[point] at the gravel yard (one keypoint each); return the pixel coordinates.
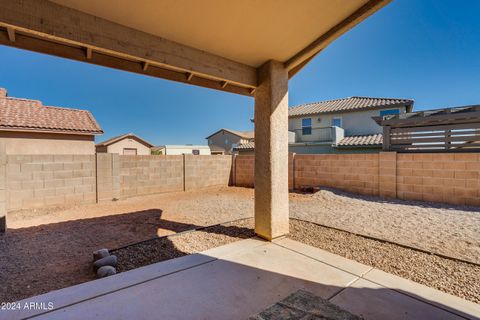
(450, 230)
(457, 278)
(49, 249)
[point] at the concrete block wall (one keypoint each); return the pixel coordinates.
(143, 175)
(34, 181)
(387, 174)
(357, 173)
(244, 171)
(206, 171)
(452, 178)
(108, 176)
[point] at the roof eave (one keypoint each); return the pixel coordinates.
(396, 105)
(35, 130)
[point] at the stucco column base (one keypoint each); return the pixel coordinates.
(271, 151)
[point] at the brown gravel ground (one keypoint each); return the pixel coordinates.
(175, 246)
(49, 249)
(457, 278)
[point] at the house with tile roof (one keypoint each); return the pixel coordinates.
(338, 126)
(29, 127)
(125, 144)
(224, 141)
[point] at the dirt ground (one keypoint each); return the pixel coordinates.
(48, 249)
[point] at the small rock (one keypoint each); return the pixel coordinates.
(99, 254)
(106, 271)
(107, 261)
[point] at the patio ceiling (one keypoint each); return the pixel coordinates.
(212, 43)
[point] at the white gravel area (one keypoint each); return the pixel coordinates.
(450, 230)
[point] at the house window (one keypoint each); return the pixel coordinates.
(337, 122)
(306, 126)
(195, 152)
(226, 141)
(387, 112)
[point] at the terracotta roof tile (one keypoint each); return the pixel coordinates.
(367, 140)
(123, 136)
(347, 104)
(31, 115)
(246, 146)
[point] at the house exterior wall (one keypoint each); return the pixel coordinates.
(225, 141)
(127, 143)
(354, 123)
(30, 143)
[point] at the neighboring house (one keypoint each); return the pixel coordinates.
(127, 144)
(339, 126)
(29, 127)
(181, 149)
(224, 141)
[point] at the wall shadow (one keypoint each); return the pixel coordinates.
(39, 259)
(239, 288)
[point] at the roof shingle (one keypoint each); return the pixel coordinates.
(367, 140)
(31, 115)
(246, 146)
(347, 104)
(121, 137)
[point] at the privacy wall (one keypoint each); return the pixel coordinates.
(452, 178)
(33, 181)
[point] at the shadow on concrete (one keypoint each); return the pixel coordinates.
(203, 287)
(43, 258)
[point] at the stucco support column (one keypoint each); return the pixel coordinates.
(271, 151)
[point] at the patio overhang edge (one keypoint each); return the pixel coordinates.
(46, 27)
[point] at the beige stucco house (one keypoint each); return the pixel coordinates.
(338, 126)
(224, 141)
(29, 127)
(126, 144)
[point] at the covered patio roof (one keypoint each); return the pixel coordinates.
(215, 44)
(246, 47)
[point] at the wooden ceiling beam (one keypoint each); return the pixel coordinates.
(59, 24)
(11, 34)
(78, 53)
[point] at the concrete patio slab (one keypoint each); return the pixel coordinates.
(234, 281)
(372, 301)
(438, 298)
(326, 257)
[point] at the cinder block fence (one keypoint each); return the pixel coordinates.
(33, 181)
(452, 178)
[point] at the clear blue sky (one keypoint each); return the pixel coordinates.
(428, 50)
